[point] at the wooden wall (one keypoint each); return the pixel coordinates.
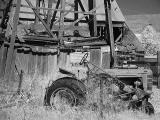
(41, 62)
(38, 62)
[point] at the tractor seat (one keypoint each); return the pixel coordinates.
(63, 71)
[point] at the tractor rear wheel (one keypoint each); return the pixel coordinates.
(65, 91)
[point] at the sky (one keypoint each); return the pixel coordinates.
(135, 7)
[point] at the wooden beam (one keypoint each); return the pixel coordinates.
(86, 13)
(9, 61)
(76, 15)
(76, 9)
(95, 43)
(43, 22)
(109, 31)
(43, 39)
(92, 18)
(82, 8)
(38, 11)
(54, 14)
(99, 23)
(3, 58)
(61, 23)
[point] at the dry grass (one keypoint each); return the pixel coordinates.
(40, 113)
(29, 106)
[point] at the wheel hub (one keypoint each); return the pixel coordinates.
(62, 97)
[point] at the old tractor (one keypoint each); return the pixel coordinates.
(129, 84)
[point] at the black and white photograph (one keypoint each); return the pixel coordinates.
(79, 59)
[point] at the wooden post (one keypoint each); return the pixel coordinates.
(92, 18)
(158, 63)
(109, 31)
(60, 33)
(76, 15)
(95, 55)
(9, 61)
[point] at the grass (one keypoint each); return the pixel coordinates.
(40, 113)
(29, 106)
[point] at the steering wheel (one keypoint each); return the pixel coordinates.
(83, 58)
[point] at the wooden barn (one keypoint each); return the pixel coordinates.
(38, 37)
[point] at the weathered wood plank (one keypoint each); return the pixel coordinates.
(31, 64)
(109, 31)
(39, 61)
(38, 11)
(76, 9)
(62, 60)
(52, 65)
(3, 58)
(92, 18)
(44, 64)
(11, 48)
